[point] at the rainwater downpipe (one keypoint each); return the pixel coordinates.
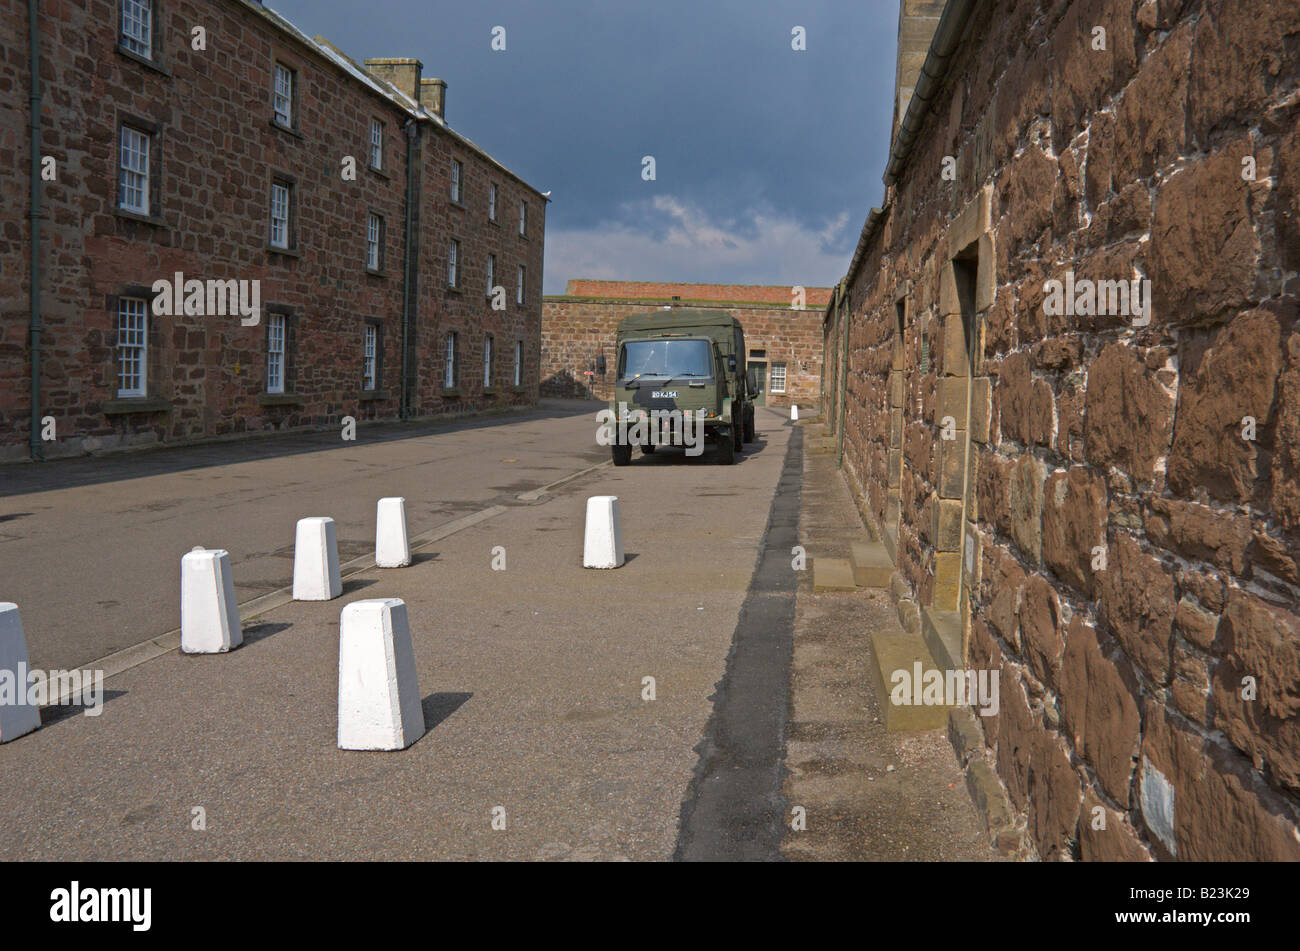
(403, 400)
(34, 218)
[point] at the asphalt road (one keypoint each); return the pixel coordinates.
(531, 678)
(90, 549)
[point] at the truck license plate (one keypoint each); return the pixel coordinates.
(663, 395)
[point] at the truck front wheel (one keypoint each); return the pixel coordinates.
(622, 454)
(749, 425)
(726, 449)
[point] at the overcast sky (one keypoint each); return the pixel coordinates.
(767, 160)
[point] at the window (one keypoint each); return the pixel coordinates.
(281, 202)
(133, 171)
(456, 170)
(519, 363)
(523, 217)
(374, 242)
(370, 352)
(376, 144)
(449, 363)
(453, 256)
(487, 361)
(491, 273)
(519, 285)
(275, 354)
(778, 377)
(132, 325)
(492, 203)
(137, 27)
(283, 100)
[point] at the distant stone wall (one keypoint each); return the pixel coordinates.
(576, 330)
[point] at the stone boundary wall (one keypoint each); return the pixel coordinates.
(1114, 525)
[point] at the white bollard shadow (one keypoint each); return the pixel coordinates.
(603, 542)
(379, 691)
(392, 546)
(209, 612)
(316, 561)
(17, 716)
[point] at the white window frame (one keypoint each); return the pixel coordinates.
(282, 95)
(376, 144)
(275, 347)
(453, 263)
(521, 276)
(449, 363)
(374, 237)
(519, 363)
(492, 202)
(135, 33)
(133, 153)
(132, 346)
(369, 352)
(487, 361)
(283, 191)
(523, 217)
(457, 180)
(491, 273)
(773, 375)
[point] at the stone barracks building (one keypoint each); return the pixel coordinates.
(249, 160)
(784, 343)
(1097, 497)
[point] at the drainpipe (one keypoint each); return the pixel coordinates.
(34, 218)
(403, 400)
(844, 372)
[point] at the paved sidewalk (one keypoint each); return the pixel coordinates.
(531, 680)
(869, 794)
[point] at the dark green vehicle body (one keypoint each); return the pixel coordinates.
(685, 360)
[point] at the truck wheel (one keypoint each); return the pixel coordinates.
(622, 454)
(648, 448)
(727, 450)
(749, 426)
(738, 429)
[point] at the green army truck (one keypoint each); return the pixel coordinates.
(680, 379)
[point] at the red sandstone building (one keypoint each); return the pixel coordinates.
(784, 340)
(250, 156)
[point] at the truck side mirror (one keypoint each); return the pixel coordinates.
(731, 363)
(752, 381)
(600, 364)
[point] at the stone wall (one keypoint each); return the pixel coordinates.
(575, 329)
(1103, 507)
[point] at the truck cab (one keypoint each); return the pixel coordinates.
(680, 380)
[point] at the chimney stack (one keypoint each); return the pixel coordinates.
(403, 73)
(434, 96)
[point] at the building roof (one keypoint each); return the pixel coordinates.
(332, 54)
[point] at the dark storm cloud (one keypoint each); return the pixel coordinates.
(767, 159)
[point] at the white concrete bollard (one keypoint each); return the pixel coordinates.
(603, 545)
(379, 691)
(209, 613)
(316, 561)
(392, 548)
(17, 716)
(794, 412)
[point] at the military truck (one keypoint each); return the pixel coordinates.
(681, 368)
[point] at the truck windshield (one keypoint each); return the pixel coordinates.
(666, 358)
